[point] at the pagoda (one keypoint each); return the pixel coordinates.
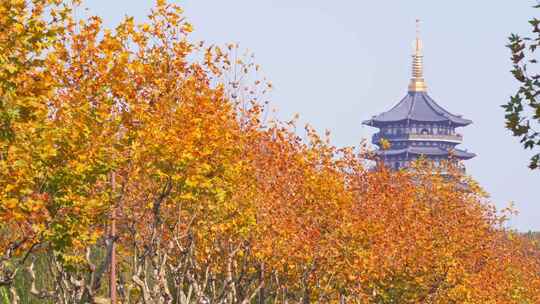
(417, 126)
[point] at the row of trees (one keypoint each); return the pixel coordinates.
(212, 203)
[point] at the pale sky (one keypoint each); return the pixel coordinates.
(337, 63)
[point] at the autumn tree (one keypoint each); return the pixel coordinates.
(41, 199)
(216, 204)
(128, 103)
(56, 151)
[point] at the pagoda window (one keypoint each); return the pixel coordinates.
(424, 131)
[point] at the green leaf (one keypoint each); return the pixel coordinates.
(4, 298)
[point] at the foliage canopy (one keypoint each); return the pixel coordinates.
(214, 204)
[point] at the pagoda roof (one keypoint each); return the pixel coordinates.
(427, 151)
(417, 106)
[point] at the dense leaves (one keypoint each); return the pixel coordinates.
(41, 199)
(523, 109)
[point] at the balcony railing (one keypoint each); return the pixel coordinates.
(451, 137)
(456, 138)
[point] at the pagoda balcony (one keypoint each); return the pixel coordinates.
(453, 138)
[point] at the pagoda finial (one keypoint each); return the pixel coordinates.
(417, 80)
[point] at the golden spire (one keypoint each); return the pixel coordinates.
(417, 80)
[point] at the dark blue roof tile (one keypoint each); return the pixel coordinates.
(417, 106)
(427, 151)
